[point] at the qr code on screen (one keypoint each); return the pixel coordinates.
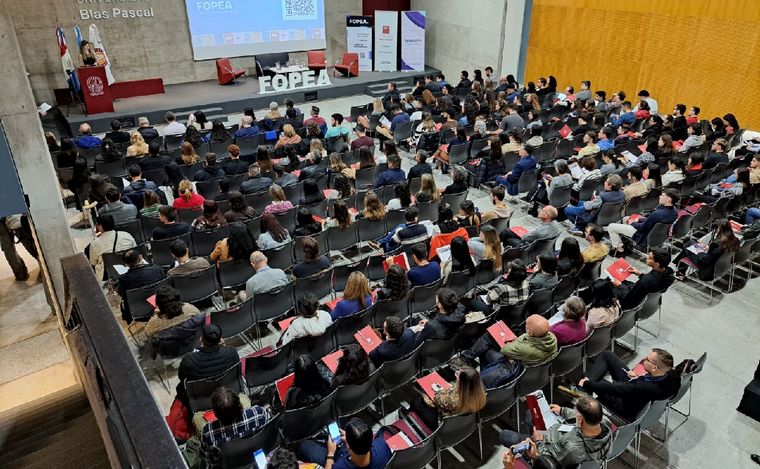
(299, 9)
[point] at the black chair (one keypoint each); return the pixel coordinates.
(422, 297)
(204, 241)
(454, 430)
(369, 230)
(318, 284)
(112, 168)
(314, 346)
(589, 273)
(197, 287)
(345, 327)
(265, 369)
(436, 352)
(417, 456)
(396, 373)
(233, 274)
(208, 189)
(339, 239)
(189, 170)
(625, 323)
(188, 215)
(236, 454)
(498, 401)
(454, 200)
(303, 423)
(540, 302)
(560, 196)
(236, 320)
(147, 225)
(273, 304)
(609, 213)
(597, 342)
(527, 181)
(565, 288)
(161, 252)
(462, 282)
(428, 210)
(288, 219)
(459, 153)
(587, 188)
(385, 308)
(139, 307)
(134, 229)
(280, 257)
(352, 399)
(535, 377)
(366, 177)
(199, 391)
(569, 357)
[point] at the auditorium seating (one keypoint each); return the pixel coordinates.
(225, 74)
(348, 65)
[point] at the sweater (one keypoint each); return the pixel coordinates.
(569, 332)
(531, 350)
(303, 327)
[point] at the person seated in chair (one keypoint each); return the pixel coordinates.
(248, 129)
(86, 140)
(666, 212)
(545, 276)
(174, 319)
(548, 229)
(628, 393)
(256, 183)
(596, 250)
(311, 320)
(314, 117)
(140, 274)
(170, 228)
(108, 240)
(186, 266)
(393, 174)
(500, 209)
(399, 117)
(449, 318)
(210, 171)
(658, 279)
(122, 213)
(234, 165)
(424, 271)
(361, 449)
(399, 342)
(586, 211)
(137, 183)
(422, 166)
(720, 241)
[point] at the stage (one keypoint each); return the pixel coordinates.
(218, 100)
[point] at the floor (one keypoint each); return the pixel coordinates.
(728, 330)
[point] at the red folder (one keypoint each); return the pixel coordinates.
(399, 259)
(519, 230)
(209, 416)
(283, 384)
(327, 193)
(368, 339)
(317, 219)
(151, 300)
(694, 207)
(639, 369)
(332, 303)
(565, 131)
(643, 147)
(296, 172)
(634, 218)
(426, 383)
(285, 323)
(736, 226)
(331, 361)
(398, 442)
(538, 407)
(501, 333)
(353, 211)
(619, 270)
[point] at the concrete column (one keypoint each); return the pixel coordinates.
(18, 115)
(515, 38)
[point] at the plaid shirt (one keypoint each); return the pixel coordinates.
(215, 434)
(506, 294)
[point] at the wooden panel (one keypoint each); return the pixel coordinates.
(696, 52)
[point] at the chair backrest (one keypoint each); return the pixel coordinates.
(417, 456)
(139, 307)
(366, 177)
(385, 308)
(342, 272)
(540, 301)
(393, 218)
(273, 304)
(565, 288)
(587, 188)
(235, 320)
(318, 284)
(345, 327)
(339, 239)
(723, 264)
(316, 57)
(204, 241)
(659, 234)
(287, 219)
(134, 229)
(455, 429)
(499, 399)
(369, 230)
(560, 196)
(233, 274)
(199, 391)
(280, 257)
(197, 287)
(626, 321)
(485, 272)
(161, 252)
(682, 226)
(527, 181)
(598, 341)
(428, 210)
(147, 225)
(422, 297)
(403, 131)
(315, 346)
(237, 453)
(534, 378)
(744, 251)
(653, 414)
(352, 399)
(609, 213)
(208, 189)
(265, 369)
(624, 435)
(459, 153)
(454, 200)
(651, 305)
(568, 358)
(589, 273)
(299, 424)
(436, 352)
(462, 282)
(396, 373)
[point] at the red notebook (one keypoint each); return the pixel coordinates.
(283, 384)
(356, 166)
(327, 193)
(368, 339)
(399, 259)
(332, 303)
(519, 230)
(543, 418)
(331, 361)
(398, 442)
(426, 383)
(634, 218)
(296, 172)
(317, 219)
(639, 369)
(209, 416)
(619, 270)
(152, 300)
(501, 333)
(643, 147)
(736, 226)
(565, 131)
(285, 323)
(694, 207)
(353, 211)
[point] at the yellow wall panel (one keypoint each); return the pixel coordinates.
(696, 52)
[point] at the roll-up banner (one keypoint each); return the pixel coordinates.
(359, 40)
(386, 41)
(412, 40)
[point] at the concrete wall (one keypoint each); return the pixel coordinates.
(469, 35)
(137, 47)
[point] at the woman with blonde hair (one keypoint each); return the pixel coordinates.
(280, 203)
(428, 190)
(377, 107)
(187, 196)
(357, 296)
(374, 209)
(466, 395)
(138, 147)
(487, 246)
(188, 155)
(426, 126)
(315, 144)
(289, 137)
(337, 165)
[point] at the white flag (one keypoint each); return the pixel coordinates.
(100, 52)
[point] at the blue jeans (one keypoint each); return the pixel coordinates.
(573, 211)
(511, 186)
(314, 452)
(753, 214)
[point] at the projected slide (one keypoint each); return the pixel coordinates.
(235, 28)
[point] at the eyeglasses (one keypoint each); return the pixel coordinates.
(650, 361)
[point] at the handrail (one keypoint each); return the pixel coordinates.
(133, 429)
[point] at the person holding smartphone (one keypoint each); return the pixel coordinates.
(353, 447)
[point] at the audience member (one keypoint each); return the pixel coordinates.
(185, 265)
(396, 285)
(545, 276)
(139, 274)
(658, 279)
(356, 297)
(466, 395)
(596, 250)
(187, 197)
(361, 449)
(266, 278)
(399, 342)
(174, 320)
(448, 319)
(424, 271)
(211, 218)
(256, 183)
(666, 212)
(311, 320)
(309, 386)
(313, 263)
(107, 240)
(569, 259)
(86, 140)
(571, 329)
(708, 250)
(170, 228)
(122, 213)
(248, 128)
(393, 174)
(116, 135)
(354, 367)
(548, 229)
(147, 131)
(586, 211)
(239, 245)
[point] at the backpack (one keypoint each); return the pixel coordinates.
(499, 373)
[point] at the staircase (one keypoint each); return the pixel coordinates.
(57, 431)
(212, 114)
(403, 85)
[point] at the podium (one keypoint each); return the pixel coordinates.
(95, 89)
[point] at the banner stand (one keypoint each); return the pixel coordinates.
(412, 41)
(359, 40)
(386, 41)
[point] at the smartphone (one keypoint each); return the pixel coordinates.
(520, 448)
(260, 459)
(334, 431)
(436, 387)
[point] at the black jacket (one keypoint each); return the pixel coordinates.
(235, 167)
(175, 338)
(148, 133)
(208, 173)
(207, 362)
(155, 162)
(170, 231)
(627, 398)
(118, 136)
(631, 294)
(419, 169)
(714, 159)
(442, 326)
(314, 171)
(393, 349)
(489, 169)
(136, 277)
(255, 185)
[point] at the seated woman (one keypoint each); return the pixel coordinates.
(569, 259)
(273, 235)
(342, 188)
(487, 246)
(465, 396)
(549, 184)
(312, 195)
(396, 284)
(280, 203)
(374, 210)
(238, 245)
(187, 196)
(442, 154)
(174, 320)
(512, 290)
(428, 191)
(366, 158)
(288, 137)
(311, 320)
(459, 260)
(138, 146)
(674, 174)
(468, 217)
(446, 222)
(341, 218)
(611, 164)
(151, 204)
(357, 297)
(354, 367)
(491, 166)
(572, 328)
(305, 223)
(589, 172)
(545, 276)
(211, 219)
(309, 387)
(265, 163)
(706, 252)
(730, 187)
(312, 263)
(239, 209)
(188, 155)
(604, 308)
(402, 199)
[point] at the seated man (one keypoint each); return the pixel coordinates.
(393, 174)
(248, 129)
(500, 209)
(361, 139)
(140, 274)
(628, 393)
(589, 439)
(548, 229)
(399, 117)
(256, 183)
(422, 166)
(284, 178)
(666, 212)
(148, 132)
(312, 167)
(424, 271)
(234, 165)
(586, 211)
(86, 140)
(361, 449)
(210, 171)
(116, 135)
(173, 127)
(137, 183)
(413, 231)
(235, 419)
(265, 279)
(534, 347)
(186, 266)
(314, 117)
(596, 250)
(659, 279)
(449, 318)
(399, 341)
(336, 127)
(636, 186)
(170, 228)
(108, 240)
(525, 164)
(212, 359)
(122, 213)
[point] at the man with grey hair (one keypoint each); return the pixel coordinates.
(86, 140)
(173, 127)
(274, 112)
(247, 128)
(255, 183)
(146, 130)
(265, 279)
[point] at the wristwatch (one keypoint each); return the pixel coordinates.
(330, 457)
